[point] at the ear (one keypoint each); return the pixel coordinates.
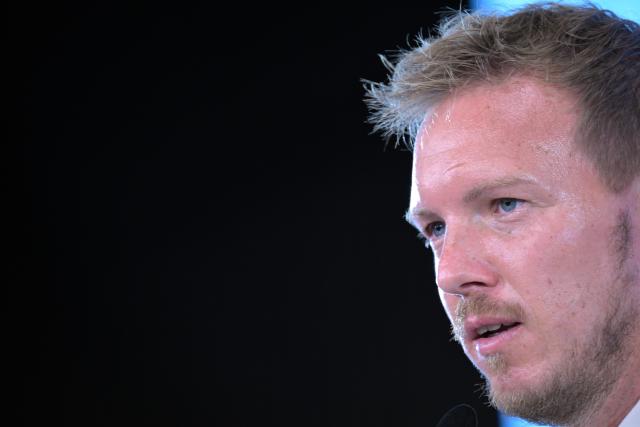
(632, 200)
(632, 195)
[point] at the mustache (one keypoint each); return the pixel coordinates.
(481, 305)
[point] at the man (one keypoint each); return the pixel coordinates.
(525, 132)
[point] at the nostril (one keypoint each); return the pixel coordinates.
(472, 284)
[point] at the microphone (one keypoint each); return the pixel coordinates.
(462, 415)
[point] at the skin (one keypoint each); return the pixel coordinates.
(547, 258)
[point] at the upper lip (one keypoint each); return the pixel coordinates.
(473, 323)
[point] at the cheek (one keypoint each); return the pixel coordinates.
(562, 269)
(449, 303)
(436, 265)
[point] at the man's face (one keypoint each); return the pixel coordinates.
(531, 250)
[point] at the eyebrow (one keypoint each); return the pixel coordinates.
(476, 192)
(472, 195)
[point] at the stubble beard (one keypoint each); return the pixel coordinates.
(587, 374)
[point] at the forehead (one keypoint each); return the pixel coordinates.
(521, 126)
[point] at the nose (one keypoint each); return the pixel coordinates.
(463, 263)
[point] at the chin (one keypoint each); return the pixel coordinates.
(497, 371)
(544, 397)
(513, 395)
(513, 390)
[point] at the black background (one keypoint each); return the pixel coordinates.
(215, 237)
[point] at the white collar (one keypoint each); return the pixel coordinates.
(633, 418)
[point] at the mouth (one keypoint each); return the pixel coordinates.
(492, 330)
(490, 334)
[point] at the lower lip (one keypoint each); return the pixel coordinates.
(488, 346)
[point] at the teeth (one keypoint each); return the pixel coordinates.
(489, 328)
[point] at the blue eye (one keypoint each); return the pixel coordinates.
(507, 205)
(435, 229)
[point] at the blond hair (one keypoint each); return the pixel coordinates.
(587, 50)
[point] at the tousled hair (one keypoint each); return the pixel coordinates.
(589, 51)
